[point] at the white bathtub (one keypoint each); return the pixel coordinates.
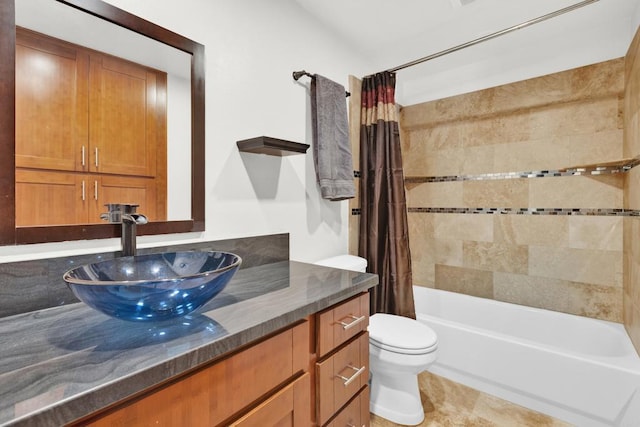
(580, 370)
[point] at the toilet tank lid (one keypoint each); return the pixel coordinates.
(345, 262)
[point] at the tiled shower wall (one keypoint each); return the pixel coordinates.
(568, 263)
(632, 193)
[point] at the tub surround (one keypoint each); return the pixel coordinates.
(64, 363)
(474, 147)
(631, 295)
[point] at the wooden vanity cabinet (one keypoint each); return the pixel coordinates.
(342, 366)
(283, 380)
(263, 385)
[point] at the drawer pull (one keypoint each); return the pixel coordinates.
(349, 380)
(355, 320)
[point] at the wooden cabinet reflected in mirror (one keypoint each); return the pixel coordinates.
(90, 130)
(49, 160)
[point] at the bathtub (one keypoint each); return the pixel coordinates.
(580, 370)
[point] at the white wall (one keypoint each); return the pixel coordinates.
(251, 48)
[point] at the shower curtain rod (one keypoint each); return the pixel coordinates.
(492, 35)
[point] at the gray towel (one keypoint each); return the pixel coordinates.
(331, 146)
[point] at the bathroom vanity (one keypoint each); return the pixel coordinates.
(284, 344)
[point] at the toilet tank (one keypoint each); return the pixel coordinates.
(345, 262)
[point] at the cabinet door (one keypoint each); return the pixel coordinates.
(226, 389)
(126, 116)
(341, 376)
(51, 102)
(290, 407)
(121, 189)
(355, 414)
(50, 198)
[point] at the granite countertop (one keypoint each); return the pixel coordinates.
(60, 364)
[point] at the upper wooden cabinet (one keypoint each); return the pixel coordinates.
(90, 129)
(81, 110)
(52, 112)
(126, 116)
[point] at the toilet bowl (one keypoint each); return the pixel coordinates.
(399, 349)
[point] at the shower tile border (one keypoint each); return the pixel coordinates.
(604, 169)
(529, 211)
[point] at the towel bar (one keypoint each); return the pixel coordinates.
(298, 74)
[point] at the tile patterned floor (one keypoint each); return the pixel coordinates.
(449, 404)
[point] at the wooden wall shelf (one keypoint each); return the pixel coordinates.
(272, 146)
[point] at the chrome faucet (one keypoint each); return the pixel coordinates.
(125, 214)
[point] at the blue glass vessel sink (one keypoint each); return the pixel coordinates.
(153, 287)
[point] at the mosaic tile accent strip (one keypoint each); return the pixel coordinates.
(530, 211)
(604, 169)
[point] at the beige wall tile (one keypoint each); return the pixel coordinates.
(586, 117)
(542, 230)
(501, 257)
(631, 314)
(532, 291)
(504, 193)
(601, 302)
(559, 152)
(449, 252)
(464, 280)
(434, 194)
(632, 189)
(578, 265)
(436, 163)
(444, 136)
(498, 129)
(463, 227)
(572, 85)
(421, 246)
(595, 232)
(478, 160)
(604, 191)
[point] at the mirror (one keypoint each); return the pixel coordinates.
(177, 50)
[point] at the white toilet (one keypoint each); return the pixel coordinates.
(399, 349)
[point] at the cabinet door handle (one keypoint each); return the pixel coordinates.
(349, 380)
(95, 190)
(96, 156)
(354, 321)
(83, 191)
(83, 156)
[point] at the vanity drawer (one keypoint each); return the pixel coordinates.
(288, 407)
(341, 376)
(342, 322)
(355, 414)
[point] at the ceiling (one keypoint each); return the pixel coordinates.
(387, 34)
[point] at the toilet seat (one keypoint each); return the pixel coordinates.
(400, 334)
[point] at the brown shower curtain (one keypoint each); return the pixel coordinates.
(384, 234)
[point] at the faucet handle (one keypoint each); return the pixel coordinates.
(118, 211)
